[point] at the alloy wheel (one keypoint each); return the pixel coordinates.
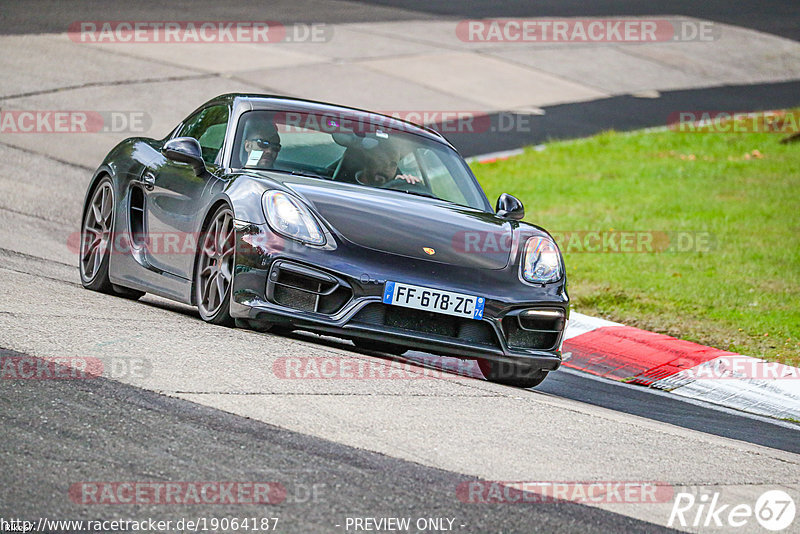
(96, 233)
(215, 266)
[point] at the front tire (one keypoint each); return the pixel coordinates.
(214, 266)
(509, 374)
(96, 241)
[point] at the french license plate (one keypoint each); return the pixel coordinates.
(435, 300)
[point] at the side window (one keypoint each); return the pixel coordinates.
(208, 126)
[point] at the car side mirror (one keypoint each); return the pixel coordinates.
(509, 207)
(185, 150)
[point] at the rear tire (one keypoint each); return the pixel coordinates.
(509, 374)
(380, 346)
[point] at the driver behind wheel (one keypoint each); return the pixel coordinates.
(380, 168)
(261, 144)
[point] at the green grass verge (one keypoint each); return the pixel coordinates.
(740, 189)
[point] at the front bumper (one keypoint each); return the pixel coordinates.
(338, 290)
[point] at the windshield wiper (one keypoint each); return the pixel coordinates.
(299, 173)
(417, 193)
(310, 175)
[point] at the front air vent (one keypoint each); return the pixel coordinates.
(136, 216)
(538, 329)
(303, 288)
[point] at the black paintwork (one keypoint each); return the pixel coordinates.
(372, 236)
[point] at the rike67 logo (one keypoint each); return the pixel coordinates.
(774, 510)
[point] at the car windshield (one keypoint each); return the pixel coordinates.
(346, 149)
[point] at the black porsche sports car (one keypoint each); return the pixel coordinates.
(277, 213)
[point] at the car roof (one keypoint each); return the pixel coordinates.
(263, 101)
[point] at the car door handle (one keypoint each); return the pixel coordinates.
(149, 180)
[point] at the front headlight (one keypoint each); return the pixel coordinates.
(288, 216)
(541, 262)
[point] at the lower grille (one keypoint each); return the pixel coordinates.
(425, 322)
(421, 321)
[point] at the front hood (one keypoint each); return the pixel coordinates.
(403, 224)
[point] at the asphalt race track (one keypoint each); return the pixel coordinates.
(778, 17)
(181, 400)
(90, 429)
